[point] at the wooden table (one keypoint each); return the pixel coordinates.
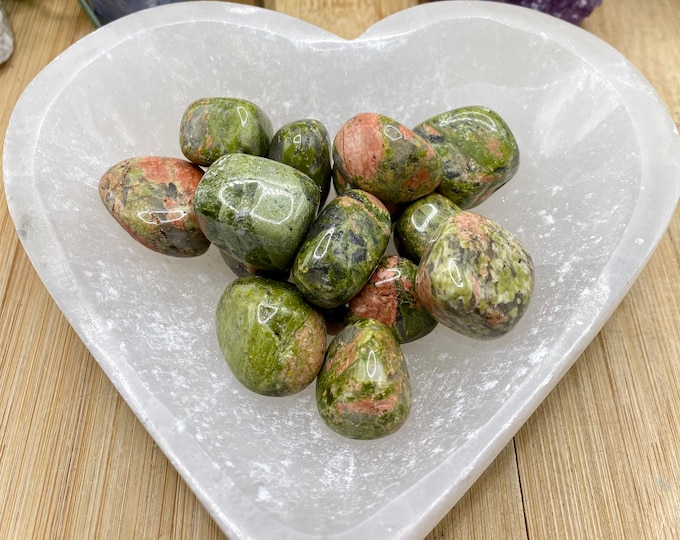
(600, 458)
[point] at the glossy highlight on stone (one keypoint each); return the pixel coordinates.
(417, 224)
(305, 145)
(389, 297)
(363, 390)
(273, 341)
(151, 197)
(342, 248)
(478, 150)
(476, 277)
(382, 156)
(256, 209)
(215, 126)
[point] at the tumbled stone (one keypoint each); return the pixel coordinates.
(379, 155)
(152, 198)
(363, 390)
(342, 248)
(273, 341)
(256, 209)
(476, 277)
(389, 297)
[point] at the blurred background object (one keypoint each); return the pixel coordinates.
(573, 11)
(6, 36)
(104, 11)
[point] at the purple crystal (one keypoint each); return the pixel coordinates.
(573, 11)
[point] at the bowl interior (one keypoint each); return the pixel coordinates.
(584, 203)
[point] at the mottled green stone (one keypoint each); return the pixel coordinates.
(256, 209)
(418, 223)
(342, 248)
(390, 297)
(305, 145)
(476, 277)
(272, 339)
(363, 390)
(151, 197)
(215, 126)
(379, 155)
(478, 150)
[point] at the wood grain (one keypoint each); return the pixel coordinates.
(599, 459)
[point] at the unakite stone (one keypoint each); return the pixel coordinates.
(377, 154)
(363, 390)
(417, 224)
(390, 297)
(342, 248)
(272, 339)
(478, 150)
(152, 198)
(305, 145)
(256, 209)
(213, 127)
(476, 277)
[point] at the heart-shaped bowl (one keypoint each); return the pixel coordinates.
(597, 185)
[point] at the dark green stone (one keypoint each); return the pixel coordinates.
(418, 223)
(256, 209)
(272, 339)
(305, 145)
(215, 126)
(341, 249)
(363, 390)
(478, 150)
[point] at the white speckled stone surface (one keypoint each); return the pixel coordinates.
(598, 183)
(6, 36)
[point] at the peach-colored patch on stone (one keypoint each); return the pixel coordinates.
(369, 406)
(471, 225)
(494, 148)
(360, 145)
(379, 298)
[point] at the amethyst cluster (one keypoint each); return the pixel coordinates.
(573, 11)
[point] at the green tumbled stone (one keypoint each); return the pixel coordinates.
(305, 145)
(256, 209)
(272, 339)
(215, 126)
(476, 277)
(418, 223)
(478, 150)
(342, 248)
(363, 390)
(390, 297)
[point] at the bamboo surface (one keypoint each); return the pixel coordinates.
(599, 459)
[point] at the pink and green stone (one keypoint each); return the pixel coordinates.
(213, 127)
(476, 277)
(389, 297)
(342, 248)
(379, 155)
(478, 151)
(151, 197)
(363, 390)
(273, 341)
